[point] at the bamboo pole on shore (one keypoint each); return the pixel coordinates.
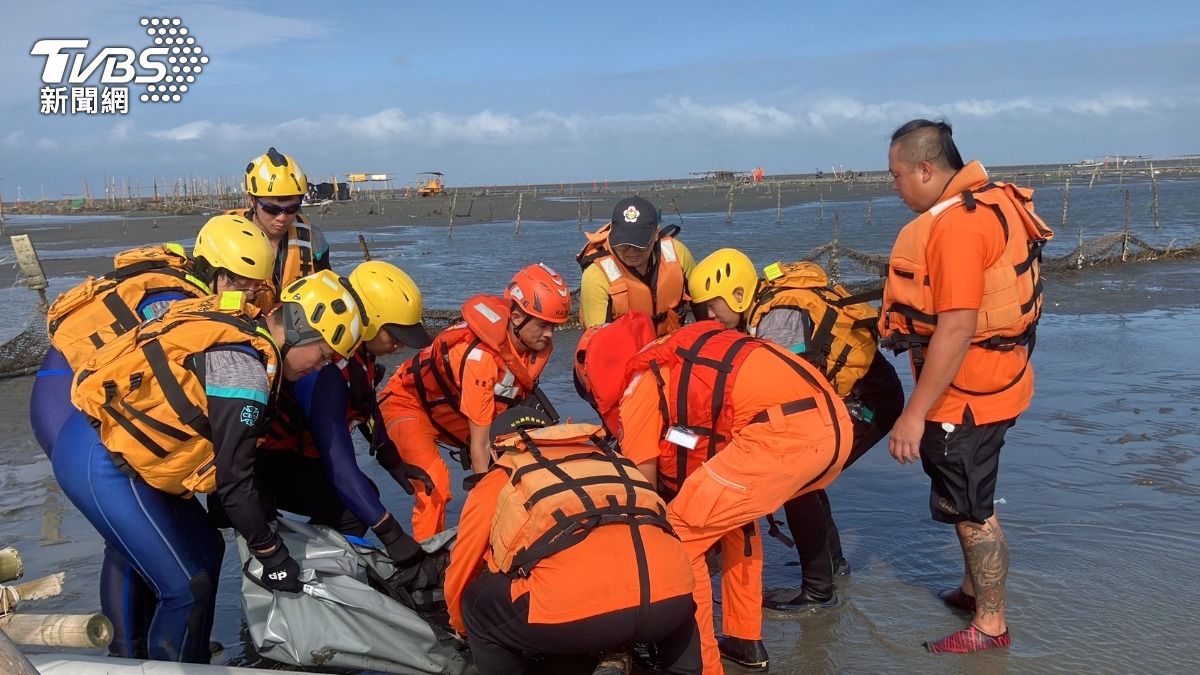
(85, 631)
(11, 566)
(1154, 195)
(1125, 238)
(1066, 199)
(835, 271)
(1093, 180)
(520, 201)
(362, 243)
(778, 204)
(453, 203)
(729, 214)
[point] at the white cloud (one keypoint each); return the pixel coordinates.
(45, 144)
(12, 139)
(1107, 105)
(683, 115)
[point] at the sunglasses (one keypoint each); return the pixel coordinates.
(276, 209)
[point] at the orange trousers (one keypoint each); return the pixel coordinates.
(764, 466)
(409, 427)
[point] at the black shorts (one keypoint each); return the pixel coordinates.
(962, 467)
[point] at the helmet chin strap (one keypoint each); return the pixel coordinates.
(517, 328)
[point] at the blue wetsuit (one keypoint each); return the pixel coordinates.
(170, 540)
(49, 409)
(48, 405)
(324, 397)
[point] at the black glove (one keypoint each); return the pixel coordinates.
(405, 473)
(430, 572)
(400, 547)
(280, 572)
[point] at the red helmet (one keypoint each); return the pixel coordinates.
(539, 291)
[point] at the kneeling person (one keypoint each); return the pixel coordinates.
(564, 548)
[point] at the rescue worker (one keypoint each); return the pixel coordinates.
(229, 254)
(963, 296)
(796, 307)
(174, 408)
(564, 548)
(734, 427)
(451, 391)
(322, 478)
(275, 190)
(630, 265)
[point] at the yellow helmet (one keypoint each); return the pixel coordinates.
(722, 273)
(322, 306)
(275, 175)
(235, 244)
(390, 300)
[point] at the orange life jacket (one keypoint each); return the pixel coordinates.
(1012, 286)
(91, 314)
(704, 359)
(437, 381)
(601, 357)
(147, 401)
(297, 261)
(841, 340)
(663, 302)
(564, 481)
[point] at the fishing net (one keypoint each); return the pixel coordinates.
(858, 270)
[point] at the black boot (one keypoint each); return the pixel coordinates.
(804, 601)
(746, 653)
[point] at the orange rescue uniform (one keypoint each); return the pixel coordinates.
(599, 574)
(471, 372)
(784, 432)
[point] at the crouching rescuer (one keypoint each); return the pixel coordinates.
(564, 547)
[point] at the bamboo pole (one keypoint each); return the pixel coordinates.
(1125, 239)
(778, 204)
(87, 631)
(520, 200)
(835, 271)
(1154, 195)
(675, 208)
(869, 204)
(362, 243)
(11, 566)
(453, 204)
(1079, 248)
(12, 661)
(729, 214)
(821, 212)
(1066, 199)
(1095, 173)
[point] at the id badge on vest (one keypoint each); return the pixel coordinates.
(684, 438)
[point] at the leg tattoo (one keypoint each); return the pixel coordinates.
(986, 552)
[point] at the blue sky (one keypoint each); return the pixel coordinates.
(494, 92)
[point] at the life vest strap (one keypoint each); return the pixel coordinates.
(790, 408)
(189, 413)
(125, 319)
(821, 386)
